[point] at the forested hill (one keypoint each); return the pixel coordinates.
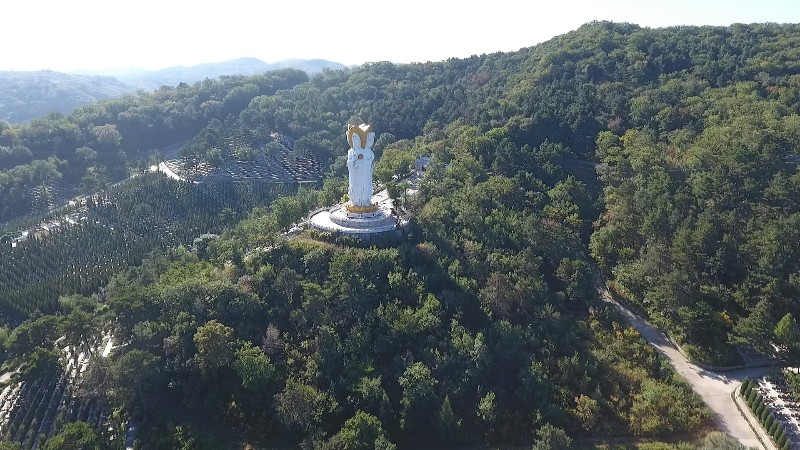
(55, 157)
(27, 95)
(171, 76)
(695, 133)
(667, 157)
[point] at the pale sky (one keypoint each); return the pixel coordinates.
(69, 35)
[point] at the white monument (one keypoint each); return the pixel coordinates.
(360, 161)
(364, 213)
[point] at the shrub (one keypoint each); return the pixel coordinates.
(763, 416)
(662, 408)
(713, 441)
(781, 440)
(746, 392)
(550, 437)
(759, 409)
(751, 403)
(759, 400)
(777, 433)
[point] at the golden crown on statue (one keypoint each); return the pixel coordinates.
(362, 131)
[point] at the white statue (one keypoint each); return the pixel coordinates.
(360, 160)
(358, 216)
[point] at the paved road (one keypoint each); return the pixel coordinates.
(714, 387)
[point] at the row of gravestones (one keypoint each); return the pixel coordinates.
(769, 418)
(31, 412)
(282, 167)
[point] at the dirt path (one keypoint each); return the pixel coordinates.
(714, 387)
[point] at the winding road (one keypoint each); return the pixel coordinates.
(713, 387)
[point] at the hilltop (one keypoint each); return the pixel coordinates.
(28, 95)
(172, 76)
(662, 160)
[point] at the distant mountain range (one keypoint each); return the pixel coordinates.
(171, 76)
(27, 95)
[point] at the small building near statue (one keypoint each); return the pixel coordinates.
(365, 213)
(422, 163)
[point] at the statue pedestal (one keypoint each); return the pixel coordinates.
(378, 218)
(366, 213)
(340, 219)
(361, 209)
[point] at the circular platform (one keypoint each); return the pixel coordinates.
(340, 220)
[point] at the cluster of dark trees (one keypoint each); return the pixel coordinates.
(701, 216)
(667, 157)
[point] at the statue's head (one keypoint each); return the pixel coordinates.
(360, 136)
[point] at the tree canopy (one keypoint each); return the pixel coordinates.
(663, 160)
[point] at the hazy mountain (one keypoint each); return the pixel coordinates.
(27, 95)
(153, 79)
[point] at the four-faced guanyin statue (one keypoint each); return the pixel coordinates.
(360, 160)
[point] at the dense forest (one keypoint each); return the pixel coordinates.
(55, 157)
(28, 95)
(661, 160)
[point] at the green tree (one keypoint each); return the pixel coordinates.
(82, 331)
(393, 162)
(132, 375)
(304, 407)
(419, 398)
(215, 346)
(40, 332)
(661, 408)
(86, 155)
(756, 329)
(363, 431)
(447, 423)
(40, 363)
(370, 397)
(384, 139)
(4, 335)
(787, 338)
(549, 437)
(214, 157)
(253, 366)
(586, 411)
(487, 409)
(107, 135)
(286, 211)
(75, 436)
(396, 192)
(720, 441)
